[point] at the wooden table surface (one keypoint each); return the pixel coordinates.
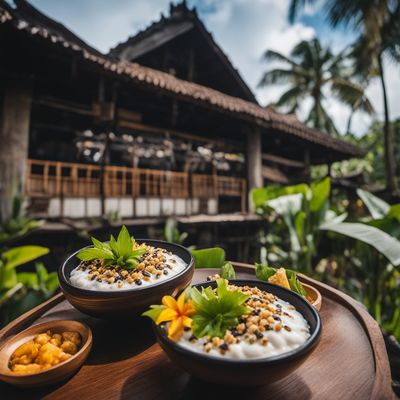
(350, 361)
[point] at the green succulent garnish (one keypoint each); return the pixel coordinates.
(119, 252)
(264, 272)
(217, 310)
(227, 271)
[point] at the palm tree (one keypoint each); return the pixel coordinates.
(378, 25)
(311, 72)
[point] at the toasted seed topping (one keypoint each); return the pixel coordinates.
(152, 264)
(265, 316)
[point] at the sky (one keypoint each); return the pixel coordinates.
(244, 29)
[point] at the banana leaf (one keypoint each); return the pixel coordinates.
(320, 194)
(23, 254)
(261, 196)
(377, 207)
(380, 240)
(287, 207)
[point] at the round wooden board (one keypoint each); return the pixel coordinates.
(350, 361)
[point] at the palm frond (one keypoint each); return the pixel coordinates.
(364, 55)
(327, 123)
(271, 55)
(310, 54)
(391, 34)
(336, 64)
(330, 127)
(352, 94)
(291, 99)
(314, 70)
(303, 51)
(345, 12)
(276, 77)
(295, 7)
(319, 119)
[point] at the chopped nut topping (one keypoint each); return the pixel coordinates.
(152, 264)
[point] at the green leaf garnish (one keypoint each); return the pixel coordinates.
(209, 258)
(227, 271)
(217, 310)
(264, 272)
(119, 252)
(154, 312)
(124, 242)
(214, 257)
(295, 284)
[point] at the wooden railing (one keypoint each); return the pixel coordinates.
(203, 186)
(227, 186)
(136, 182)
(53, 179)
(61, 179)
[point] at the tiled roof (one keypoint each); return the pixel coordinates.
(190, 91)
(180, 20)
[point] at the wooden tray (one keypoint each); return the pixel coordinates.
(350, 361)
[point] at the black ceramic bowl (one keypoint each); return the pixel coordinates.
(247, 372)
(127, 302)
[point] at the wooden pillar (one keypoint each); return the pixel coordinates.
(307, 165)
(15, 109)
(254, 160)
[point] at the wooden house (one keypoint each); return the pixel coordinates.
(163, 124)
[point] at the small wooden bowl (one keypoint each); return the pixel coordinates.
(313, 295)
(126, 303)
(250, 372)
(54, 374)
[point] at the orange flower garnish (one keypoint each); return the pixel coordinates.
(178, 312)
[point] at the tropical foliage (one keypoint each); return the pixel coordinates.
(358, 254)
(19, 292)
(372, 276)
(19, 224)
(372, 167)
(172, 233)
(312, 72)
(300, 210)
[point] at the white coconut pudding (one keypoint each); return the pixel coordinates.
(151, 266)
(270, 327)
